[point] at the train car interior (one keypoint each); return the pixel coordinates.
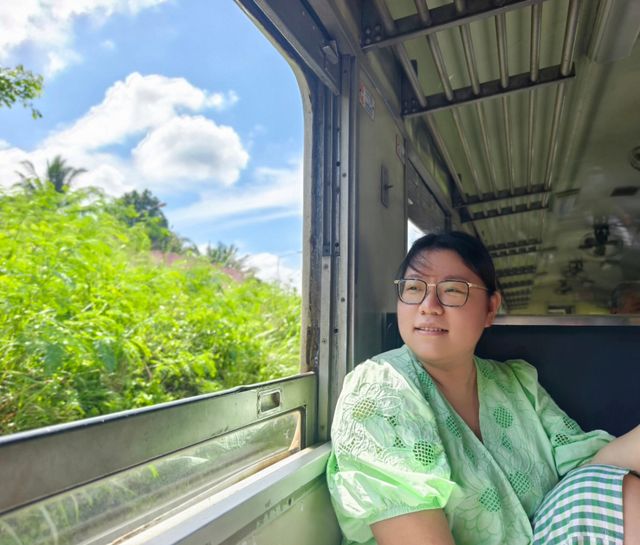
(517, 121)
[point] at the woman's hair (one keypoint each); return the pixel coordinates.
(470, 249)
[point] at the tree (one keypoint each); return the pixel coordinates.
(145, 208)
(58, 173)
(227, 256)
(20, 85)
(146, 205)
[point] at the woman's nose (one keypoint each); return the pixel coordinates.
(431, 304)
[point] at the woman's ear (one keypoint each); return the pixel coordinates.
(495, 300)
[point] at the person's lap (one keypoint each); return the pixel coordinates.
(586, 507)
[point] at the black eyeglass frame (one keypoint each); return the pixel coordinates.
(435, 285)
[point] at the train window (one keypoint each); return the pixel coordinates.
(109, 507)
(154, 287)
(151, 241)
(151, 216)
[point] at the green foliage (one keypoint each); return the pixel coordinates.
(20, 85)
(58, 174)
(227, 256)
(145, 208)
(91, 324)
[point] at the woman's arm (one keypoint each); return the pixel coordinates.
(622, 452)
(427, 527)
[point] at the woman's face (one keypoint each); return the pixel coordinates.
(445, 336)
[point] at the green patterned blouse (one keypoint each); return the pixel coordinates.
(399, 447)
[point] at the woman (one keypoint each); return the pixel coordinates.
(433, 445)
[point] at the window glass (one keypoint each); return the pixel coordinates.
(102, 511)
(150, 207)
(413, 233)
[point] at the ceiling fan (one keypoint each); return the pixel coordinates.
(602, 242)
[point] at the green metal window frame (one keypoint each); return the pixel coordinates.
(41, 463)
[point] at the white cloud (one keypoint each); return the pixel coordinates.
(46, 26)
(191, 149)
(108, 45)
(106, 176)
(272, 190)
(222, 101)
(147, 112)
(272, 268)
(131, 107)
(57, 61)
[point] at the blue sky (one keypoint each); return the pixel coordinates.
(186, 98)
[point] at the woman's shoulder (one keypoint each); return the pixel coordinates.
(388, 379)
(510, 374)
(394, 368)
(512, 368)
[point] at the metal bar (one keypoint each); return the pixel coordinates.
(472, 69)
(436, 52)
(438, 59)
(466, 148)
(516, 271)
(40, 463)
(534, 48)
(507, 132)
(534, 53)
(514, 252)
(568, 321)
(516, 284)
(501, 36)
(570, 34)
(514, 244)
(306, 37)
(520, 292)
(470, 58)
(518, 302)
(325, 162)
(444, 17)
(565, 68)
(558, 107)
(423, 12)
(442, 148)
(405, 62)
(244, 506)
(401, 52)
(500, 196)
(531, 136)
(342, 358)
(490, 90)
(485, 145)
(499, 212)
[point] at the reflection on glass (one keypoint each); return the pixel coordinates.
(101, 511)
(625, 298)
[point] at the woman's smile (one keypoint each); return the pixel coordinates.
(430, 330)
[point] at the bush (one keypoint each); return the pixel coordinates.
(91, 324)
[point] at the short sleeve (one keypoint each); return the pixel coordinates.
(387, 457)
(571, 446)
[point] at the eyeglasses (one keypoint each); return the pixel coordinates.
(450, 293)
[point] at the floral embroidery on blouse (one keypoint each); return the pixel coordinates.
(399, 447)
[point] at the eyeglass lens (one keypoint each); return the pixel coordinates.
(452, 293)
